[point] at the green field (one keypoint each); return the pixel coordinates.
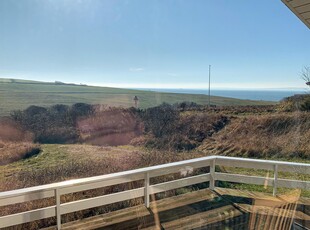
(19, 94)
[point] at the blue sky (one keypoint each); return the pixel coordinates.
(154, 43)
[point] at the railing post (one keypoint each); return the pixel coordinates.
(275, 180)
(58, 215)
(212, 174)
(147, 190)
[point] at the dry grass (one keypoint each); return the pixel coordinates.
(110, 126)
(242, 110)
(284, 135)
(75, 161)
(81, 161)
(63, 162)
(11, 131)
(258, 136)
(14, 151)
(15, 143)
(188, 131)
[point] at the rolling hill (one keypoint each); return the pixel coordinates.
(18, 94)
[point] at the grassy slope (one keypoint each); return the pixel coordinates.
(244, 136)
(63, 162)
(276, 135)
(22, 93)
(59, 162)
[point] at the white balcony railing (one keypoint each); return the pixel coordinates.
(56, 190)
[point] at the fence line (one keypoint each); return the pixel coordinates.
(184, 168)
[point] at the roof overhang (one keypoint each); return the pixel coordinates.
(301, 8)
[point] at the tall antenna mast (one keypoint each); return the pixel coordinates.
(209, 86)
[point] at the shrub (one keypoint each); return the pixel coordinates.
(50, 125)
(186, 132)
(280, 135)
(295, 103)
(305, 105)
(161, 120)
(186, 105)
(80, 110)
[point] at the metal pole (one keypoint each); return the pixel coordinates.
(209, 86)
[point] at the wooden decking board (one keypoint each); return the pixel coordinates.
(202, 219)
(203, 209)
(188, 210)
(174, 215)
(254, 195)
(302, 215)
(107, 218)
(176, 208)
(111, 218)
(298, 214)
(184, 199)
(244, 193)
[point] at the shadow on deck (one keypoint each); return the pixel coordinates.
(203, 209)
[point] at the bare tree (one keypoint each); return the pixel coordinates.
(305, 74)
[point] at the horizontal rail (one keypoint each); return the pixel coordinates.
(263, 164)
(183, 168)
(162, 187)
(100, 184)
(154, 171)
(244, 179)
(130, 194)
(285, 183)
(24, 197)
(100, 201)
(24, 217)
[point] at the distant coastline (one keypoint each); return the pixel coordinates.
(260, 95)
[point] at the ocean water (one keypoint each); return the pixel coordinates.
(264, 95)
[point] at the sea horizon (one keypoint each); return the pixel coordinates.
(275, 95)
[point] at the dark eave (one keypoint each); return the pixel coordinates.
(301, 8)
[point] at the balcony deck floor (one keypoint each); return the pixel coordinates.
(203, 209)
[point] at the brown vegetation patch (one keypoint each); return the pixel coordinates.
(298, 102)
(14, 151)
(240, 110)
(113, 126)
(11, 131)
(279, 135)
(188, 131)
(15, 143)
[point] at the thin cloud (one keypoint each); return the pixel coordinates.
(136, 69)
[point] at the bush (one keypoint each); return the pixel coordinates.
(185, 105)
(305, 105)
(56, 124)
(80, 110)
(295, 103)
(184, 132)
(161, 120)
